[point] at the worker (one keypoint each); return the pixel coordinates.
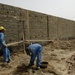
(3, 46)
(35, 50)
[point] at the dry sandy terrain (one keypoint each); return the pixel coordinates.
(60, 56)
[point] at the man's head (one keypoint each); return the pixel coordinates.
(2, 29)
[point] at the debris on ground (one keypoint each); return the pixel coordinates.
(59, 55)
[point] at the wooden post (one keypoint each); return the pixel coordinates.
(23, 37)
(47, 28)
(28, 29)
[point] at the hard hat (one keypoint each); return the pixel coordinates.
(2, 28)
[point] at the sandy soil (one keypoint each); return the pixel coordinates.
(60, 56)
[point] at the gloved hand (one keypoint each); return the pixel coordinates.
(4, 44)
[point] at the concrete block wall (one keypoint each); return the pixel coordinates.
(60, 28)
(13, 20)
(38, 25)
(53, 27)
(34, 25)
(65, 29)
(74, 29)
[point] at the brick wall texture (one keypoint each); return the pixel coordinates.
(34, 25)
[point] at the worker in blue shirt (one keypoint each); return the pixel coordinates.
(35, 50)
(3, 46)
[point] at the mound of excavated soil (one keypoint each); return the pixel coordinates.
(60, 56)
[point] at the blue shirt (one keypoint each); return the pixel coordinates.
(35, 47)
(2, 39)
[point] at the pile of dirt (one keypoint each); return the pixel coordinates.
(60, 56)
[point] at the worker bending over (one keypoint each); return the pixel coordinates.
(35, 50)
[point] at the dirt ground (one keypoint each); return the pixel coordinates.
(60, 56)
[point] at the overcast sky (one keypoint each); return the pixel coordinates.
(59, 8)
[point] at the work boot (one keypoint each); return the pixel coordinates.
(37, 68)
(30, 65)
(8, 61)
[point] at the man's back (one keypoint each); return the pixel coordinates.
(35, 46)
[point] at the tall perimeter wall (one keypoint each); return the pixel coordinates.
(34, 25)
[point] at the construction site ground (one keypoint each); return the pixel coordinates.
(60, 56)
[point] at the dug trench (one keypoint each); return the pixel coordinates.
(60, 56)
